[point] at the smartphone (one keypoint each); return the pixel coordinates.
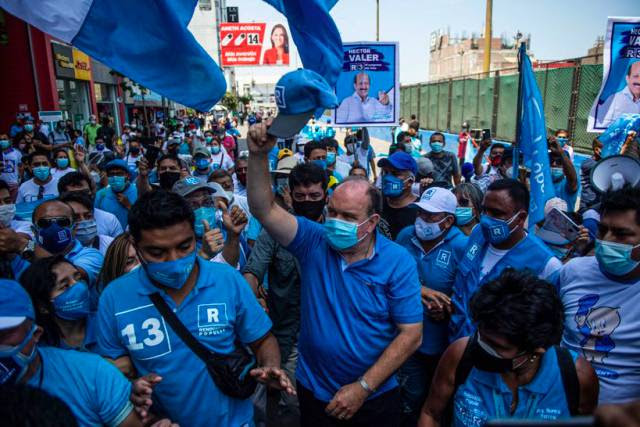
(558, 227)
(486, 134)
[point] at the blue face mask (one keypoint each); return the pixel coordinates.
(342, 234)
(55, 238)
(215, 149)
(28, 128)
(562, 141)
(42, 172)
(86, 231)
(73, 304)
(204, 213)
(14, 364)
(392, 186)
(99, 147)
(202, 163)
(557, 174)
(62, 162)
(464, 215)
(496, 230)
(172, 274)
(320, 162)
(615, 258)
(331, 157)
(4, 144)
(436, 147)
(117, 183)
(208, 139)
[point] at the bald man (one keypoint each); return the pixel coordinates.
(626, 100)
(361, 315)
(360, 107)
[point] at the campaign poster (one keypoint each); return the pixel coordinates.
(254, 44)
(368, 88)
(620, 90)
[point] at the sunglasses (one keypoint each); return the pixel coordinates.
(48, 222)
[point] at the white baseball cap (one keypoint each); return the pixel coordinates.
(436, 200)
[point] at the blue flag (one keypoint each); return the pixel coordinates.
(533, 141)
(315, 35)
(613, 138)
(146, 40)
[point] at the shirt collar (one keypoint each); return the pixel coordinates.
(355, 95)
(376, 249)
(75, 250)
(627, 92)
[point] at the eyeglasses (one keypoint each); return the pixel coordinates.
(48, 222)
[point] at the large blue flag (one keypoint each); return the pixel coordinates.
(315, 35)
(146, 40)
(533, 140)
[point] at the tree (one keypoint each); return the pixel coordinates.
(230, 101)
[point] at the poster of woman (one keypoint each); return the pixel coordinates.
(278, 53)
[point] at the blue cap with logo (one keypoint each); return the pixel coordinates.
(299, 94)
(400, 161)
(15, 304)
(117, 164)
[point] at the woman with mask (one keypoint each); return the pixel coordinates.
(61, 299)
(61, 162)
(469, 207)
(512, 366)
(220, 159)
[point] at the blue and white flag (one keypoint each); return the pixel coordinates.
(614, 137)
(315, 35)
(146, 40)
(533, 140)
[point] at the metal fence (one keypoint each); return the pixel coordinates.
(568, 90)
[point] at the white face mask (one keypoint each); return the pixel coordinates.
(428, 230)
(7, 213)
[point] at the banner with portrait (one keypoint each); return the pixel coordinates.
(368, 88)
(255, 43)
(620, 90)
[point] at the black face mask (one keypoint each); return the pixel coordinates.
(485, 361)
(308, 209)
(167, 179)
(134, 150)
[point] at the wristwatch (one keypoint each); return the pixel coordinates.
(28, 249)
(365, 386)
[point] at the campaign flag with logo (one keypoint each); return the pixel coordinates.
(532, 142)
(617, 132)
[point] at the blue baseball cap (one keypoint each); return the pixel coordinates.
(116, 164)
(299, 94)
(15, 304)
(401, 161)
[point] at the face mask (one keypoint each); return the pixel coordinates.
(331, 157)
(320, 162)
(7, 213)
(117, 183)
(202, 163)
(134, 150)
(28, 128)
(408, 148)
(41, 172)
(171, 274)
(496, 230)
(562, 141)
(86, 231)
(14, 364)
(99, 147)
(208, 139)
(559, 251)
(167, 179)
(392, 186)
(351, 148)
(615, 258)
(73, 304)
(95, 176)
(204, 213)
(308, 209)
(428, 230)
(486, 358)
(62, 162)
(342, 234)
(215, 149)
(436, 147)
(495, 161)
(464, 215)
(54, 239)
(557, 174)
(4, 144)
(92, 121)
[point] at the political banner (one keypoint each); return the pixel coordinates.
(368, 88)
(620, 90)
(253, 44)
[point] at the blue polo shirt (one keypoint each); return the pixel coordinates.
(88, 259)
(218, 311)
(95, 390)
(349, 312)
(107, 201)
(437, 271)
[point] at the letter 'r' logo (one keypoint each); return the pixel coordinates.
(212, 315)
(279, 95)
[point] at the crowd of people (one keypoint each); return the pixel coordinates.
(166, 275)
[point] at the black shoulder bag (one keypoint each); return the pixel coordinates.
(230, 372)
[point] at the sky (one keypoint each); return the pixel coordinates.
(559, 29)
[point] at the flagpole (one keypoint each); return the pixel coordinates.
(516, 143)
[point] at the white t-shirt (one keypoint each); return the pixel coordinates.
(21, 227)
(59, 173)
(108, 224)
(493, 255)
(10, 162)
(223, 160)
(28, 191)
(105, 241)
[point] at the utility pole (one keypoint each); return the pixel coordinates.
(486, 63)
(377, 20)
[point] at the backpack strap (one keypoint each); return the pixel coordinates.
(569, 379)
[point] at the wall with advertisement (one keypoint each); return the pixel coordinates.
(253, 44)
